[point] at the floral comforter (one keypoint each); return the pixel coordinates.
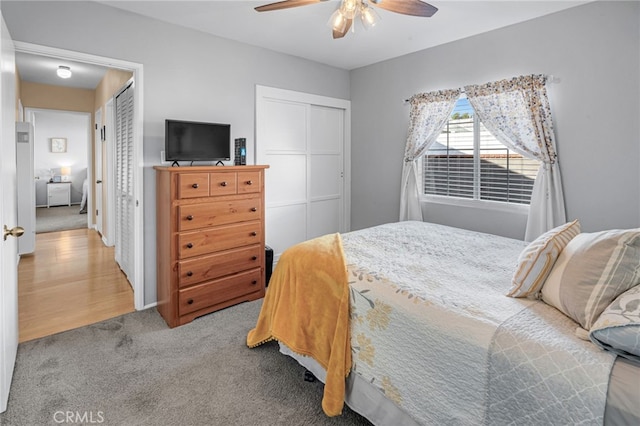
(432, 329)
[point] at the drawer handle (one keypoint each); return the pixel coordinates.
(254, 209)
(254, 233)
(254, 258)
(254, 282)
(189, 274)
(189, 245)
(223, 183)
(249, 182)
(190, 302)
(189, 217)
(195, 186)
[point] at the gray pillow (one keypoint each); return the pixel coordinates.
(618, 327)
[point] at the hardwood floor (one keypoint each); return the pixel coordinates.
(70, 281)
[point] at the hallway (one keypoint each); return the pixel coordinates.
(71, 280)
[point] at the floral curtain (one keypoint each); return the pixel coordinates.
(429, 114)
(517, 113)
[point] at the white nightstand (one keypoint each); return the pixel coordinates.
(58, 194)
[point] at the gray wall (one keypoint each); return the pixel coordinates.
(187, 74)
(594, 51)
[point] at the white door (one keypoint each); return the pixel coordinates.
(97, 170)
(304, 139)
(8, 216)
(124, 190)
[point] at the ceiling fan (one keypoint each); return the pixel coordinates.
(342, 19)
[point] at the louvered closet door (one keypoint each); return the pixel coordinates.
(124, 234)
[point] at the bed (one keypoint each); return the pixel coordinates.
(432, 337)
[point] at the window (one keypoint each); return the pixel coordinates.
(466, 161)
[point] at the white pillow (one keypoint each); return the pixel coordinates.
(591, 271)
(537, 259)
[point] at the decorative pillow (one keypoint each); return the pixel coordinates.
(618, 327)
(591, 271)
(537, 259)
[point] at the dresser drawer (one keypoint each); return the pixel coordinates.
(223, 183)
(193, 185)
(214, 266)
(249, 182)
(196, 216)
(208, 294)
(196, 243)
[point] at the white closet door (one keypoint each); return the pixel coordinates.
(124, 188)
(325, 162)
(303, 139)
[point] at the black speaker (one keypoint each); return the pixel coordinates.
(268, 264)
(240, 157)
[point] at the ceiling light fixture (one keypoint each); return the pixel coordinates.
(341, 20)
(64, 72)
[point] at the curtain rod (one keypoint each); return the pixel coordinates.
(407, 100)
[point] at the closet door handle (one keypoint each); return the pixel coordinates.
(195, 186)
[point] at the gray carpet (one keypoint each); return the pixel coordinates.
(59, 218)
(134, 370)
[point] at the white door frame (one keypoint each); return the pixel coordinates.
(98, 172)
(108, 238)
(138, 160)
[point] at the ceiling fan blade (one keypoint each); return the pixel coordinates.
(347, 27)
(286, 4)
(407, 7)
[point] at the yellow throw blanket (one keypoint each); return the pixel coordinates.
(307, 308)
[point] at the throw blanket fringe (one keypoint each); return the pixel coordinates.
(306, 307)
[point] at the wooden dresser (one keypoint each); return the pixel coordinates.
(210, 239)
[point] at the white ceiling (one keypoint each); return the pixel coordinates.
(303, 31)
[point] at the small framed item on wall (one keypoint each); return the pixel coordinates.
(58, 144)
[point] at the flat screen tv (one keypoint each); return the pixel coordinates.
(193, 141)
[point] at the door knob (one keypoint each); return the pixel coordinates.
(16, 231)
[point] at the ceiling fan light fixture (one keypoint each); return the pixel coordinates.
(63, 72)
(349, 8)
(337, 21)
(368, 16)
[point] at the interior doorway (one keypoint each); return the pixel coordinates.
(59, 177)
(63, 241)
